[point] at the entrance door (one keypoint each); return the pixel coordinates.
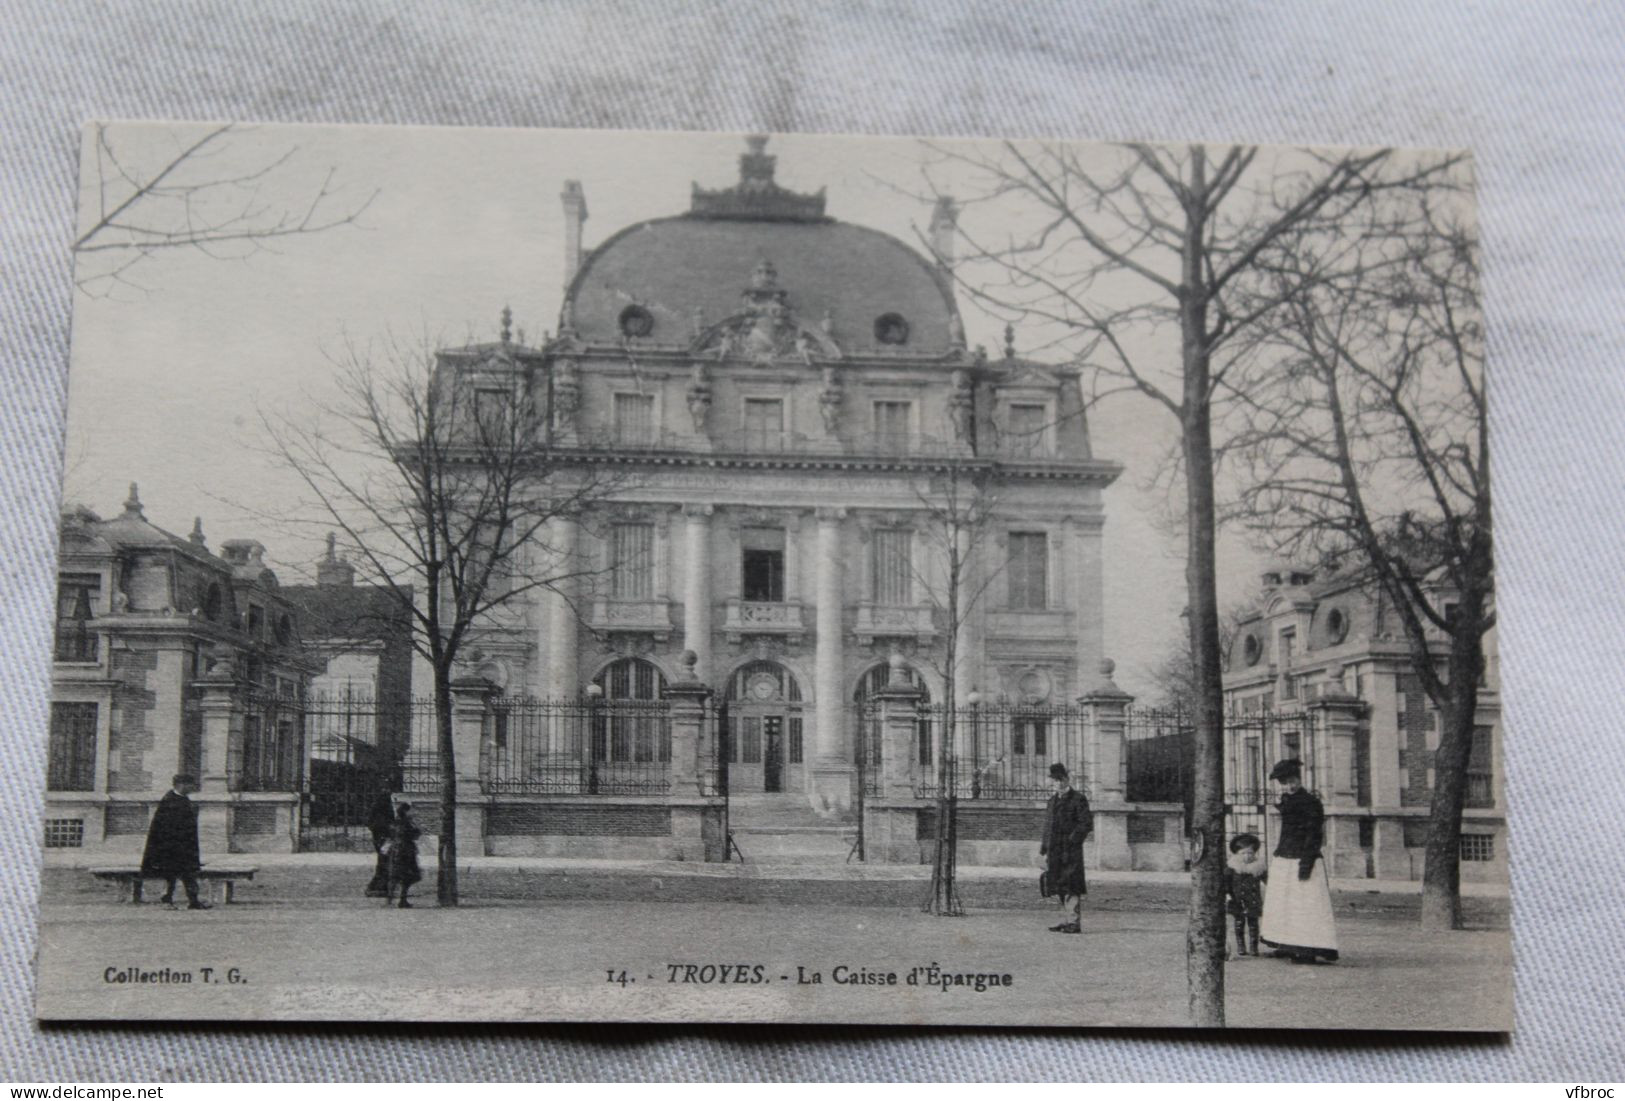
(773, 753)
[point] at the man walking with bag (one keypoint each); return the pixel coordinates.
(1068, 822)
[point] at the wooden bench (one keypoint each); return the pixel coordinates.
(131, 874)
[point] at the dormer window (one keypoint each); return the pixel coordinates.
(74, 610)
(891, 328)
(1025, 428)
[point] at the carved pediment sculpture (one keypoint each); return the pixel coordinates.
(766, 330)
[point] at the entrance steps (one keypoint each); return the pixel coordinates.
(784, 829)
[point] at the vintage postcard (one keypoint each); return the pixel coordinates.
(569, 575)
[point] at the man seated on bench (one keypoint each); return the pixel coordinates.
(172, 847)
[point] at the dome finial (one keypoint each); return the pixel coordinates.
(1009, 341)
(507, 324)
(132, 503)
(197, 531)
(332, 547)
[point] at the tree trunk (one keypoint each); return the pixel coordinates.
(1441, 868)
(1204, 938)
(1204, 933)
(446, 876)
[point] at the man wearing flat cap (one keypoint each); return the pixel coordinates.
(1297, 919)
(1067, 825)
(172, 849)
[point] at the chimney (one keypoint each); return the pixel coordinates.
(333, 571)
(575, 213)
(944, 223)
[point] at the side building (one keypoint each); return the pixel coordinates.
(1320, 670)
(171, 658)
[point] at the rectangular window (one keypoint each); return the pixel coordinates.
(893, 421)
(256, 621)
(1481, 769)
(1478, 846)
(750, 740)
(631, 561)
(764, 424)
(891, 566)
(634, 419)
(491, 412)
(1289, 639)
(761, 553)
(72, 763)
(1028, 570)
(795, 740)
(1025, 429)
(75, 608)
(64, 833)
(1029, 736)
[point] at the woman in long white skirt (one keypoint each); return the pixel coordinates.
(1297, 920)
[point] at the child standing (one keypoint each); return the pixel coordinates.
(1243, 881)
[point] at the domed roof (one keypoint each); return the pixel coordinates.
(688, 272)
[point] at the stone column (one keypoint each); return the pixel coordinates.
(832, 770)
(1083, 538)
(697, 587)
(561, 679)
(1105, 708)
(471, 699)
(222, 757)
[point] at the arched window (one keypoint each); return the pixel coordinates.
(630, 725)
(631, 679)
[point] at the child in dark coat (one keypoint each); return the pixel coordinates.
(403, 856)
(1244, 882)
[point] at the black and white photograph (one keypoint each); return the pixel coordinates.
(613, 575)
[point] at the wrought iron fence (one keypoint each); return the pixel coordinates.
(1159, 746)
(998, 751)
(588, 746)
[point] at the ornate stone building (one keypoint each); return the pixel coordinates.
(790, 406)
(1320, 670)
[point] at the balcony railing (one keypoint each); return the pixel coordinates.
(652, 617)
(894, 621)
(867, 445)
(762, 617)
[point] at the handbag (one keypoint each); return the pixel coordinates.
(1043, 884)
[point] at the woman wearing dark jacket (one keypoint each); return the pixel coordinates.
(1067, 825)
(403, 855)
(1297, 920)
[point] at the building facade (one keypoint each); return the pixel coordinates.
(1320, 670)
(786, 424)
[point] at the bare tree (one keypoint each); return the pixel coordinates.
(1373, 445)
(959, 503)
(1146, 262)
(443, 495)
(1175, 674)
(204, 193)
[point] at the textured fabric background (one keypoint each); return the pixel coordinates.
(1535, 89)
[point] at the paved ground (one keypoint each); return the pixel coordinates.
(307, 948)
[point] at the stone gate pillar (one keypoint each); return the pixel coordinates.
(222, 711)
(1105, 708)
(898, 707)
(470, 709)
(1338, 718)
(696, 818)
(691, 758)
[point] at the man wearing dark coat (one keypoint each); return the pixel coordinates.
(1067, 824)
(381, 823)
(172, 847)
